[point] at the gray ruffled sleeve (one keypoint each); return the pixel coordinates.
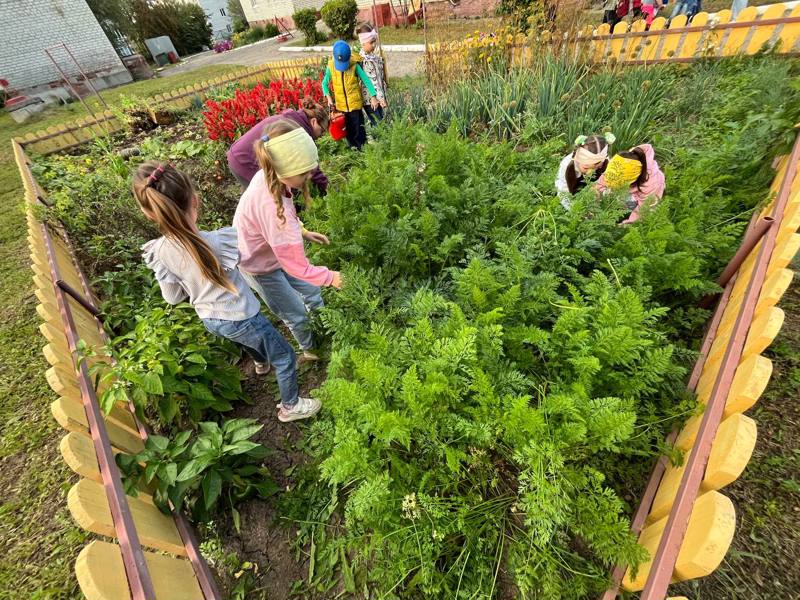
(170, 284)
(225, 242)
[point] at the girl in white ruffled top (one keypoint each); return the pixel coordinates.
(201, 266)
(587, 162)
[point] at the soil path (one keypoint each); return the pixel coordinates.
(264, 538)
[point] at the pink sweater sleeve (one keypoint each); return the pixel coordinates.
(286, 241)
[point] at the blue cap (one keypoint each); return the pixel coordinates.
(341, 55)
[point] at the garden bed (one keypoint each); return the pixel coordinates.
(501, 372)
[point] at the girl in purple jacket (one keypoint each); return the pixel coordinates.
(242, 161)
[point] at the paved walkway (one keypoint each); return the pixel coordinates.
(400, 64)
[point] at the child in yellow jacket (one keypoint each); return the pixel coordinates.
(342, 89)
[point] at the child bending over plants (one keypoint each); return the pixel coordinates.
(201, 265)
(637, 170)
(374, 68)
(344, 72)
(273, 260)
(312, 117)
(586, 162)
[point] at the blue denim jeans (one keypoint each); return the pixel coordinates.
(289, 299)
(264, 344)
(375, 115)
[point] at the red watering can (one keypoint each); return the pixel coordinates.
(337, 128)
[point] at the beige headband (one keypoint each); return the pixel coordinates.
(292, 153)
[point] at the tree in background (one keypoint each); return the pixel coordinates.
(340, 16)
(236, 12)
(184, 23)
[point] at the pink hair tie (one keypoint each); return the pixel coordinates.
(156, 174)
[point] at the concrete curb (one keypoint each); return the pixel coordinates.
(395, 48)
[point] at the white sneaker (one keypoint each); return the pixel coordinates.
(305, 408)
(263, 368)
(308, 356)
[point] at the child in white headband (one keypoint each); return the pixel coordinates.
(587, 161)
(374, 68)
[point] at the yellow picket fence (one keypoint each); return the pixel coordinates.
(150, 554)
(69, 135)
(729, 378)
(707, 36)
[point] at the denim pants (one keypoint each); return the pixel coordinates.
(375, 115)
(289, 299)
(264, 344)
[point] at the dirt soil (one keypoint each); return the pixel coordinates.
(762, 562)
(265, 539)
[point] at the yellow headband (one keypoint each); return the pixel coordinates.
(622, 172)
(292, 153)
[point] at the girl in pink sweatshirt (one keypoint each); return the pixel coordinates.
(637, 170)
(273, 259)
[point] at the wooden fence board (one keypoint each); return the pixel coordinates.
(732, 449)
(101, 574)
(672, 38)
(691, 40)
(78, 452)
(763, 34)
(708, 536)
(72, 417)
(88, 505)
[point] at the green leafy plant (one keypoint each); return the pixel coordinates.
(199, 470)
(306, 21)
(172, 368)
(340, 16)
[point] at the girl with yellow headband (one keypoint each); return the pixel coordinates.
(587, 161)
(200, 266)
(638, 171)
(271, 236)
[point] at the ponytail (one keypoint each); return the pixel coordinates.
(274, 184)
(165, 195)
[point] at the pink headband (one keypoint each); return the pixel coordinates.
(368, 36)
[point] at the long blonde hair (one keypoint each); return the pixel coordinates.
(276, 187)
(165, 195)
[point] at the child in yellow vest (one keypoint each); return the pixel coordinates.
(342, 89)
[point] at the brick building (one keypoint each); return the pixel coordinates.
(28, 27)
(259, 12)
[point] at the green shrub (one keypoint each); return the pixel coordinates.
(306, 21)
(218, 463)
(172, 368)
(340, 16)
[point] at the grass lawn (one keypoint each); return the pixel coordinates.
(39, 539)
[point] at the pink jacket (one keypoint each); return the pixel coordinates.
(265, 243)
(653, 188)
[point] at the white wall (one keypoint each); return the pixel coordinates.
(217, 14)
(28, 27)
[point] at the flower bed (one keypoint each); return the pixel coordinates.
(228, 119)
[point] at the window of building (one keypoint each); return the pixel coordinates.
(229, 28)
(222, 11)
